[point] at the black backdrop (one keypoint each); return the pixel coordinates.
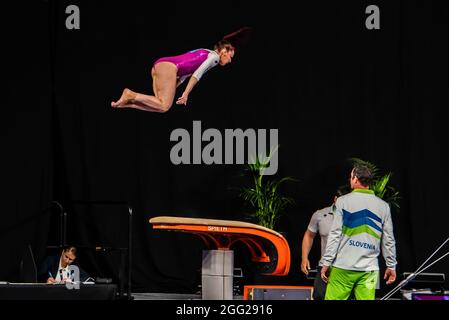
(312, 70)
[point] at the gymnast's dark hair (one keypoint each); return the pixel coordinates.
(224, 44)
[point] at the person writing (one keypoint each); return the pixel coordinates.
(56, 269)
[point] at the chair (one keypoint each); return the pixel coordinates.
(27, 267)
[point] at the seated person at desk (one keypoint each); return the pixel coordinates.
(56, 269)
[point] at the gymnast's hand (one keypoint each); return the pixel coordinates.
(183, 99)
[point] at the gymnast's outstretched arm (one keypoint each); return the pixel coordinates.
(209, 63)
(185, 95)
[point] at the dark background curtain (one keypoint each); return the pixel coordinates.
(332, 88)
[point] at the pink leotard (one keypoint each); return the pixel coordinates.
(195, 63)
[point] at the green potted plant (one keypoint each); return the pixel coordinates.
(380, 183)
(264, 195)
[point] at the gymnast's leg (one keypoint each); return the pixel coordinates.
(164, 86)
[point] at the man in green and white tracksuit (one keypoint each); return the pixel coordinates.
(361, 227)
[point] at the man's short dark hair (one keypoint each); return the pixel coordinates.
(363, 174)
(342, 190)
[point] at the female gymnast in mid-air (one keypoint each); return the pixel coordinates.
(169, 72)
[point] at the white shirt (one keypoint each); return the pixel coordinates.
(63, 274)
(321, 223)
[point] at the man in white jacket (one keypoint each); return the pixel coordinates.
(361, 226)
(320, 223)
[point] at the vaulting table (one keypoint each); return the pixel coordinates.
(268, 249)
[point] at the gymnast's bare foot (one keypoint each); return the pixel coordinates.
(127, 98)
